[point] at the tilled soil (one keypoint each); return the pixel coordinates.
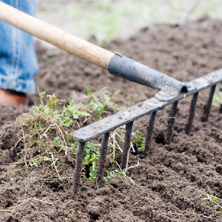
(169, 184)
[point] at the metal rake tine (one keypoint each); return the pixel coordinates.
(102, 157)
(129, 127)
(149, 132)
(171, 121)
(209, 104)
(192, 113)
(78, 167)
(135, 112)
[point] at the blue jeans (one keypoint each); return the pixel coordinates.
(18, 61)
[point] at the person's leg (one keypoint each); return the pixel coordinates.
(18, 62)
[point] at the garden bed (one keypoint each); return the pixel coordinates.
(170, 183)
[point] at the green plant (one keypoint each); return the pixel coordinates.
(51, 159)
(47, 131)
(91, 159)
(96, 105)
(213, 200)
(217, 99)
(17, 170)
(67, 115)
(35, 161)
(113, 173)
(64, 218)
(41, 95)
(75, 111)
(139, 141)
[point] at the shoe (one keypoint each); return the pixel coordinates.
(12, 98)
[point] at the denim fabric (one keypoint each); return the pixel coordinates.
(18, 62)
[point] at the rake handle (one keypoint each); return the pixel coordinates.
(55, 36)
(116, 64)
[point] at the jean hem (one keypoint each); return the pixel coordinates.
(19, 85)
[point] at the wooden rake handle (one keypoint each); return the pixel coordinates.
(55, 36)
(116, 64)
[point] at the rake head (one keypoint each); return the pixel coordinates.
(128, 116)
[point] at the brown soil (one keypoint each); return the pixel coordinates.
(169, 183)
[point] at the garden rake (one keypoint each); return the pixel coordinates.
(171, 91)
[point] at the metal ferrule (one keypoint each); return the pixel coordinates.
(129, 69)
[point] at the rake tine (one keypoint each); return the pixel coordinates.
(192, 113)
(149, 132)
(209, 104)
(129, 127)
(102, 157)
(78, 167)
(171, 123)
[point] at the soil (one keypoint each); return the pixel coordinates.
(169, 184)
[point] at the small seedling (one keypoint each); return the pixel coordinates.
(213, 200)
(41, 95)
(35, 161)
(51, 160)
(21, 153)
(96, 105)
(63, 219)
(91, 158)
(17, 170)
(217, 99)
(139, 141)
(113, 173)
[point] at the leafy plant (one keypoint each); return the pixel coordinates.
(74, 111)
(213, 200)
(217, 99)
(17, 170)
(113, 173)
(91, 159)
(47, 131)
(35, 161)
(41, 95)
(52, 160)
(96, 105)
(139, 141)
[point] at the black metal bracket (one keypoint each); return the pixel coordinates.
(129, 69)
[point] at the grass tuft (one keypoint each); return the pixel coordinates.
(46, 134)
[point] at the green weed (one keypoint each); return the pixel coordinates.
(113, 173)
(17, 170)
(91, 159)
(213, 200)
(47, 131)
(35, 161)
(52, 160)
(217, 99)
(139, 141)
(96, 106)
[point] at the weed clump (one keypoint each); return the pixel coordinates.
(214, 201)
(46, 134)
(217, 99)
